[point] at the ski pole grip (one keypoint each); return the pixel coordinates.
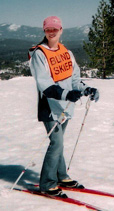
(62, 118)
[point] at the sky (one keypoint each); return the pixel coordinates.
(32, 12)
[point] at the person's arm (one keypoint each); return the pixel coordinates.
(78, 84)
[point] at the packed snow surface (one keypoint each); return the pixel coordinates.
(22, 140)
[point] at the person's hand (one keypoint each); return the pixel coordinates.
(94, 93)
(73, 95)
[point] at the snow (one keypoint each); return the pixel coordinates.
(14, 27)
(3, 24)
(22, 139)
(30, 35)
(86, 30)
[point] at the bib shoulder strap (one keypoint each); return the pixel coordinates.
(32, 50)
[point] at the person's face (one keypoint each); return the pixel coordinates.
(53, 34)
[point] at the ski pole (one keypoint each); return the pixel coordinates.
(82, 125)
(60, 120)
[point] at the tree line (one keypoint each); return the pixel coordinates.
(100, 46)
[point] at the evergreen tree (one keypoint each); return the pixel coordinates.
(100, 47)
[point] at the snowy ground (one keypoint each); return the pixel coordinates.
(21, 136)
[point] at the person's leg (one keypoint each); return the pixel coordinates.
(64, 179)
(54, 163)
(61, 172)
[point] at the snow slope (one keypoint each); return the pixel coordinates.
(21, 138)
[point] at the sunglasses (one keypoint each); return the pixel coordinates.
(51, 30)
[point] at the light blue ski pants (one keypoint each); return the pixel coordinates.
(54, 168)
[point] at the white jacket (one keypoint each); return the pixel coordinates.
(40, 70)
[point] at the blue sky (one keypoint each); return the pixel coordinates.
(33, 12)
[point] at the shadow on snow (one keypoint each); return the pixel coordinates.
(10, 173)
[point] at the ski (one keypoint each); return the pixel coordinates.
(67, 200)
(91, 191)
(85, 190)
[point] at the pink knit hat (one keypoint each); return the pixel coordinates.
(52, 21)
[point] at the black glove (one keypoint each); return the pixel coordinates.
(94, 93)
(73, 95)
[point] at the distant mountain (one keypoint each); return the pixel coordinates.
(35, 34)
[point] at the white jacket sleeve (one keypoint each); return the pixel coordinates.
(76, 80)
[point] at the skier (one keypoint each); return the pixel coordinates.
(58, 81)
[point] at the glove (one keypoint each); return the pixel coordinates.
(94, 93)
(73, 95)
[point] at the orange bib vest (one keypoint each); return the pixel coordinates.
(59, 61)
